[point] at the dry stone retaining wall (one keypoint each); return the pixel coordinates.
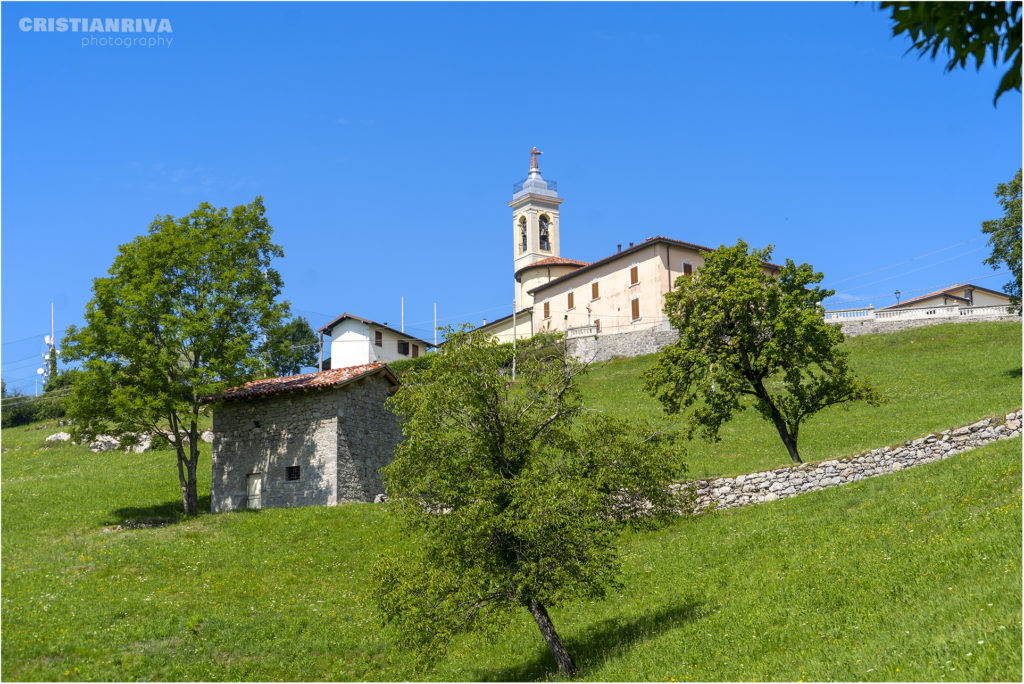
(730, 492)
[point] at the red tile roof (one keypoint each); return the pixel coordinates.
(335, 377)
(550, 261)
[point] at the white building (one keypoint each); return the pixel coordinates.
(622, 292)
(356, 341)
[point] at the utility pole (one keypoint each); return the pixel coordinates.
(435, 324)
(514, 336)
(403, 313)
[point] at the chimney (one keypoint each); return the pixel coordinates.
(620, 248)
(630, 244)
(485, 321)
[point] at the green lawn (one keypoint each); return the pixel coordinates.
(915, 575)
(931, 378)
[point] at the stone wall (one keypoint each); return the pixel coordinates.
(852, 328)
(339, 438)
(607, 346)
(267, 435)
(367, 435)
(729, 492)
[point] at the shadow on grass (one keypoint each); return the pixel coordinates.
(156, 515)
(599, 642)
(1013, 372)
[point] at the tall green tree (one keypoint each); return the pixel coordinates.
(292, 346)
(963, 30)
(516, 491)
(1005, 236)
(747, 338)
(178, 318)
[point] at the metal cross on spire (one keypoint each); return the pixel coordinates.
(533, 158)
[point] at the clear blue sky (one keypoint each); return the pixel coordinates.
(384, 139)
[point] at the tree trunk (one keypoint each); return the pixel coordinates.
(778, 422)
(565, 664)
(187, 480)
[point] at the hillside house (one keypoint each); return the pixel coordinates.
(965, 295)
(316, 439)
(357, 341)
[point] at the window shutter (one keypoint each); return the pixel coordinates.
(403, 348)
(594, 291)
(547, 309)
(572, 305)
(415, 351)
(636, 308)
(634, 275)
(378, 338)
(597, 324)
(687, 268)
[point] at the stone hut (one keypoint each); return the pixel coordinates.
(316, 439)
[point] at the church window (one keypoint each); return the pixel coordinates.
(687, 269)
(571, 302)
(547, 309)
(545, 234)
(522, 234)
(635, 306)
(595, 291)
(634, 275)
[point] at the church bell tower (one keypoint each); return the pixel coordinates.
(534, 218)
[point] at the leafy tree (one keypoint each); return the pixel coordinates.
(518, 493)
(178, 319)
(1005, 237)
(292, 346)
(963, 30)
(3, 388)
(747, 335)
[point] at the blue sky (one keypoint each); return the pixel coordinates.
(385, 138)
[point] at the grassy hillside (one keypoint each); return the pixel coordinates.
(916, 575)
(931, 378)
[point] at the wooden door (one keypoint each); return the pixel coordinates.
(254, 490)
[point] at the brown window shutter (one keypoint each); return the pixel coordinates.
(687, 270)
(597, 324)
(594, 291)
(634, 275)
(547, 309)
(415, 351)
(636, 309)
(378, 338)
(572, 305)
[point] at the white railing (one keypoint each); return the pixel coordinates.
(945, 311)
(581, 331)
(850, 314)
(997, 310)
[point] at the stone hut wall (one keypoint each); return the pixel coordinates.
(268, 434)
(367, 435)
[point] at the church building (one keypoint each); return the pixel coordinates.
(624, 291)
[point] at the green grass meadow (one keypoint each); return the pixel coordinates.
(910, 576)
(931, 378)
